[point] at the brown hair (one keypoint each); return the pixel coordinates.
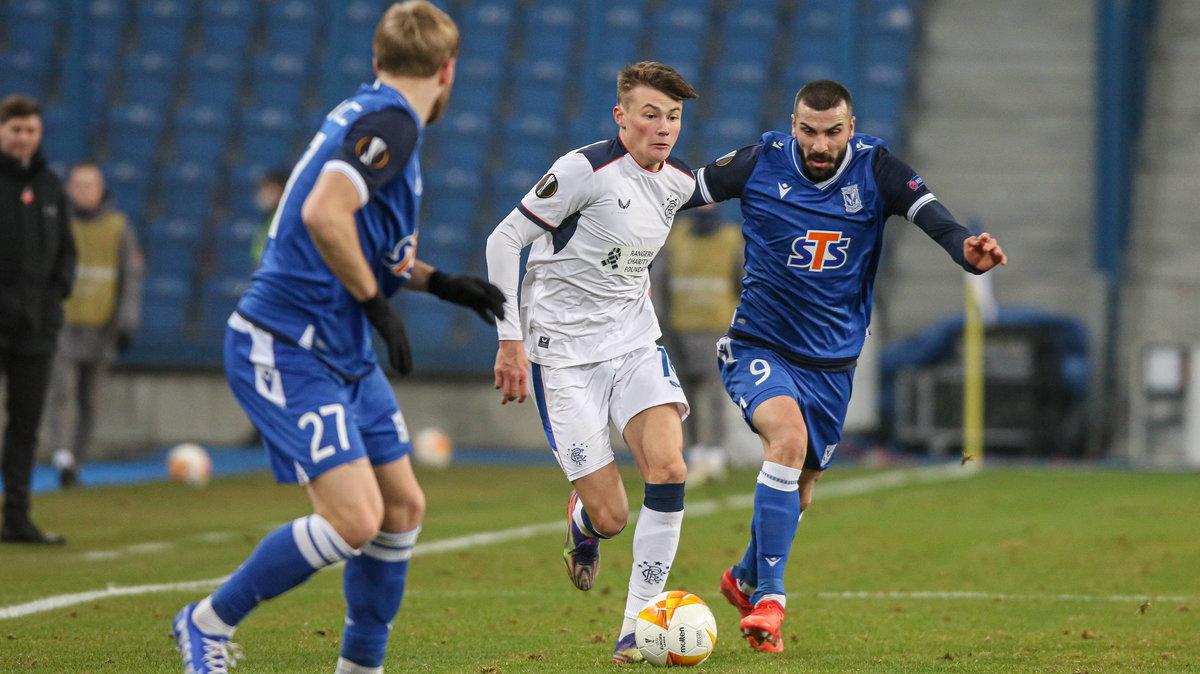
(18, 105)
(656, 76)
(414, 39)
(823, 95)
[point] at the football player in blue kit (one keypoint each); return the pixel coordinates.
(814, 204)
(299, 359)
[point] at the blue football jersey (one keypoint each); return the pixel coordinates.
(373, 138)
(812, 249)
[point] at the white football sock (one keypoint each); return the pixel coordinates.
(655, 538)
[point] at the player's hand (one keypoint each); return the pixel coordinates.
(469, 291)
(389, 326)
(983, 252)
(512, 371)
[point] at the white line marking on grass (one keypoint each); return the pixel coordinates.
(850, 487)
(986, 595)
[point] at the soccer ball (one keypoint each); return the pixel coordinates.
(676, 629)
(188, 463)
(433, 447)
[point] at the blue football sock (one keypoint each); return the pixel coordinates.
(282, 560)
(374, 586)
(776, 514)
(747, 569)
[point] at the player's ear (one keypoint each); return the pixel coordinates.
(445, 74)
(375, 65)
(619, 115)
(852, 118)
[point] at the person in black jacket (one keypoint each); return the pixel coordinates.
(37, 268)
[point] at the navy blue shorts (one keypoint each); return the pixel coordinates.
(310, 418)
(754, 374)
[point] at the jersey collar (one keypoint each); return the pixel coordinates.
(795, 155)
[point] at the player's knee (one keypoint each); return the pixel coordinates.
(357, 526)
(787, 448)
(668, 473)
(404, 513)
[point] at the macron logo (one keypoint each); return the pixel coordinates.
(772, 560)
(784, 188)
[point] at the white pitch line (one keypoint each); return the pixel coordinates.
(850, 487)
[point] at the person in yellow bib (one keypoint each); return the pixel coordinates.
(696, 280)
(100, 317)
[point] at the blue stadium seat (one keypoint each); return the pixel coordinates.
(490, 24)
(25, 72)
(214, 78)
(164, 306)
(539, 87)
(748, 32)
(551, 32)
(201, 133)
(279, 80)
(680, 30)
(134, 133)
(188, 187)
(57, 143)
(823, 53)
(267, 136)
(126, 177)
(232, 245)
(290, 26)
(433, 323)
(226, 25)
(742, 86)
(34, 25)
(148, 79)
(719, 135)
(106, 21)
(218, 297)
(162, 25)
(173, 246)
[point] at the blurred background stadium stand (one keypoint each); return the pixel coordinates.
(1024, 116)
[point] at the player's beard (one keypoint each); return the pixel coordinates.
(820, 175)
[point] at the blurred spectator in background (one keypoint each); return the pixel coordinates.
(37, 267)
(266, 198)
(101, 316)
(697, 279)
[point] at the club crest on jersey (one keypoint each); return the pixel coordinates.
(819, 250)
(546, 187)
(372, 151)
(851, 198)
(399, 260)
(671, 206)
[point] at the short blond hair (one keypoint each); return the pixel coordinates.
(414, 39)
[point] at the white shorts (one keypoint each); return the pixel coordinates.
(576, 403)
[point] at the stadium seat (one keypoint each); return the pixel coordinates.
(134, 132)
(748, 32)
(477, 86)
(148, 79)
(218, 297)
(742, 85)
(550, 32)
(232, 244)
(226, 25)
(201, 133)
(106, 21)
(164, 306)
(188, 187)
(35, 25)
(539, 87)
(267, 135)
(291, 26)
(214, 79)
(25, 72)
(162, 26)
(279, 80)
(490, 23)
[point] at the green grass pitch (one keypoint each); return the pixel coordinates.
(1045, 569)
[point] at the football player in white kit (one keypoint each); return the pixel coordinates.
(596, 221)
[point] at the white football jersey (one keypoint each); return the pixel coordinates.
(596, 221)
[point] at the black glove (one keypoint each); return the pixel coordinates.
(391, 328)
(469, 291)
(124, 341)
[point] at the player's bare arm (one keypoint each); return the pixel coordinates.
(983, 252)
(512, 371)
(328, 214)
